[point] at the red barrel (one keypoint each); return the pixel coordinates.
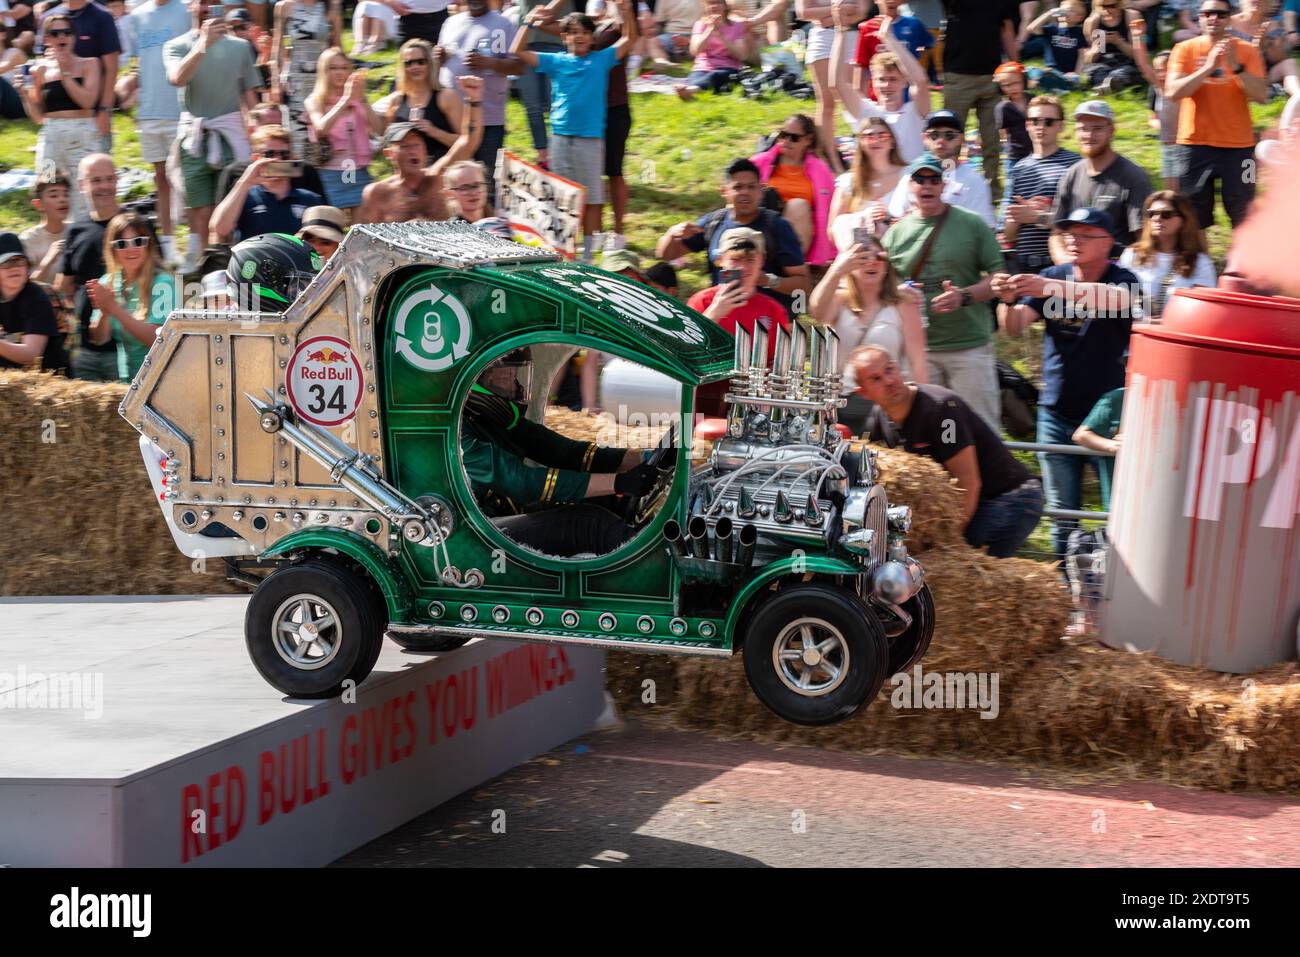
(1204, 564)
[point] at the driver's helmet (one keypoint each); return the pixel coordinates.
(268, 272)
(510, 376)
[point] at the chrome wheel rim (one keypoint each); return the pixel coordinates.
(307, 632)
(811, 657)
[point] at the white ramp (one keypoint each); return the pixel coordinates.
(135, 732)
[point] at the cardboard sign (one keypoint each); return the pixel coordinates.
(542, 208)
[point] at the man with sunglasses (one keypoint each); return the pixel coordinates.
(1216, 77)
(1088, 306)
(96, 37)
(1032, 186)
(963, 186)
(951, 253)
(264, 200)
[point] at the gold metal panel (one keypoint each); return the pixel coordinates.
(184, 395)
(252, 370)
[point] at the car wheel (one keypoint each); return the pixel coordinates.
(910, 647)
(815, 654)
(429, 642)
(310, 627)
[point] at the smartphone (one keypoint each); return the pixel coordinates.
(863, 235)
(729, 275)
(290, 168)
(416, 114)
(217, 11)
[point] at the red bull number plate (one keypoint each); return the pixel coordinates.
(324, 381)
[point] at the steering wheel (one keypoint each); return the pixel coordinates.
(639, 508)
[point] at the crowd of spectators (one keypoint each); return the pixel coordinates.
(919, 245)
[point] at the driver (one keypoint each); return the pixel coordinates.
(548, 506)
(268, 272)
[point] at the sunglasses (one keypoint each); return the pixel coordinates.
(786, 136)
(876, 135)
(135, 242)
(59, 32)
(1215, 14)
(419, 62)
(278, 154)
(469, 188)
(1161, 213)
(946, 135)
(1048, 121)
(927, 179)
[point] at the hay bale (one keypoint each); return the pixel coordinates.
(1101, 708)
(80, 515)
(978, 630)
(932, 493)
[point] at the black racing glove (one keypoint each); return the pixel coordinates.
(636, 481)
(491, 409)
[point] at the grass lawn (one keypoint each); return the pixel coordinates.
(675, 156)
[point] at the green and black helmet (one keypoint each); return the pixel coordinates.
(268, 272)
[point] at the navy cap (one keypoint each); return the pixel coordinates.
(11, 246)
(1087, 216)
(943, 118)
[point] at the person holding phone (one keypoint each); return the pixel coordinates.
(1108, 63)
(264, 200)
(342, 117)
(736, 302)
(60, 94)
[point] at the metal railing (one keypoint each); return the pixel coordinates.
(1064, 513)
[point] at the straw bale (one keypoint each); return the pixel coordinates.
(81, 518)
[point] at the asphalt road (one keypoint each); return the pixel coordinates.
(648, 797)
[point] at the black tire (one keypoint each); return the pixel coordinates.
(829, 612)
(379, 613)
(428, 643)
(354, 636)
(910, 647)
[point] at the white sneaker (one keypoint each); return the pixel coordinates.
(615, 241)
(168, 246)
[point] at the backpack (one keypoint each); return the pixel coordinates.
(1019, 403)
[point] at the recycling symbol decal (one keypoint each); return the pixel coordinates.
(432, 329)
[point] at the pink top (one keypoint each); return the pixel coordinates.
(349, 138)
(713, 55)
(823, 182)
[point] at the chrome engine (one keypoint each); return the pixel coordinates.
(784, 478)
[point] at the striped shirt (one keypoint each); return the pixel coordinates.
(1030, 177)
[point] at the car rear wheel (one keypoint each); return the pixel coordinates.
(310, 627)
(815, 654)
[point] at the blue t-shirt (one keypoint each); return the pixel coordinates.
(578, 87)
(149, 26)
(913, 32)
(263, 213)
(1084, 350)
(1063, 47)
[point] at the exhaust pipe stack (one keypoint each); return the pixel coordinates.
(746, 539)
(673, 535)
(698, 531)
(722, 540)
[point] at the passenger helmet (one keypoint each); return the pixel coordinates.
(268, 272)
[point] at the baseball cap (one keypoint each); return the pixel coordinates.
(11, 246)
(1087, 216)
(397, 132)
(617, 260)
(924, 161)
(325, 222)
(742, 239)
(1098, 108)
(943, 118)
(238, 15)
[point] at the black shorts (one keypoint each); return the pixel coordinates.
(618, 125)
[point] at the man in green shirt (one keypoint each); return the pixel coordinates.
(951, 254)
(218, 77)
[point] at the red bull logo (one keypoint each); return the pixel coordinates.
(326, 355)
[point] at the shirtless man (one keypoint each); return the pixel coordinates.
(415, 191)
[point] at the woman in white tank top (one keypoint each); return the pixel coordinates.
(861, 298)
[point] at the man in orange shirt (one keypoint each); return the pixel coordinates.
(1216, 76)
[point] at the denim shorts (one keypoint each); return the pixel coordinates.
(341, 193)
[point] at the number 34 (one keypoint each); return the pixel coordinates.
(318, 403)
